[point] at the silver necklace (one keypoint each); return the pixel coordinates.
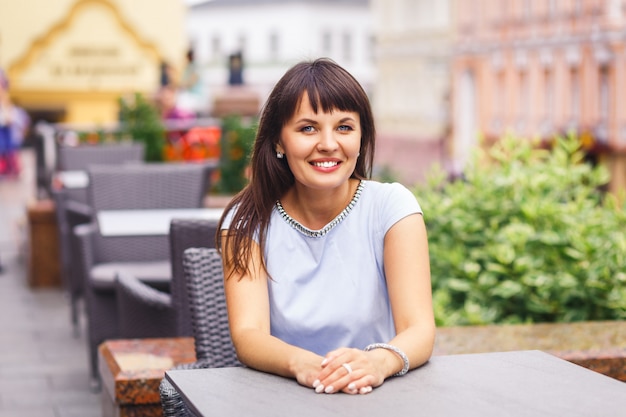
(334, 222)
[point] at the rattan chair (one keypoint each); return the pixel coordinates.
(72, 208)
(81, 157)
(146, 186)
(209, 319)
(145, 311)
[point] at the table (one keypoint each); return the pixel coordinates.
(519, 383)
(73, 179)
(152, 222)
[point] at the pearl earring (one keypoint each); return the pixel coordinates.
(279, 155)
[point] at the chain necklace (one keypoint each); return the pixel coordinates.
(334, 222)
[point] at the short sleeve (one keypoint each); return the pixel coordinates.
(228, 219)
(397, 203)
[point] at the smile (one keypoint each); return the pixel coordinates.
(326, 164)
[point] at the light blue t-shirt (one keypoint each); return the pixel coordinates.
(330, 291)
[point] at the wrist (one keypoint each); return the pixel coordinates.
(396, 351)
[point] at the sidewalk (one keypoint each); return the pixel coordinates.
(43, 366)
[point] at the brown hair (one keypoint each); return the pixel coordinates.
(329, 87)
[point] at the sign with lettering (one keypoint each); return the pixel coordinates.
(93, 50)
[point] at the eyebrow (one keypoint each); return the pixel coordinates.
(311, 121)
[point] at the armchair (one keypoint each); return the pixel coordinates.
(209, 319)
(146, 257)
(72, 208)
(145, 311)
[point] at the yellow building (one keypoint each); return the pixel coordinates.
(70, 60)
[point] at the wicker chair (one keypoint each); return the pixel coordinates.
(83, 156)
(209, 319)
(146, 186)
(72, 208)
(147, 312)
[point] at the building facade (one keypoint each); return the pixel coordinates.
(411, 97)
(71, 61)
(272, 35)
(540, 68)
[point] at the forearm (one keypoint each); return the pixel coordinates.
(417, 344)
(267, 353)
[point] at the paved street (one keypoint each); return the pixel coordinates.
(43, 366)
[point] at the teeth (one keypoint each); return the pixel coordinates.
(326, 164)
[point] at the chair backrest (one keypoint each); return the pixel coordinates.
(82, 156)
(147, 186)
(185, 234)
(205, 284)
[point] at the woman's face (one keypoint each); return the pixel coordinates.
(321, 148)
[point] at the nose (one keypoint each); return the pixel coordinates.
(328, 141)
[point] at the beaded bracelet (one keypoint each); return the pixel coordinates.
(405, 359)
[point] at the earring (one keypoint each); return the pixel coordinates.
(279, 155)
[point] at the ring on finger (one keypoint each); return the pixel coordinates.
(348, 367)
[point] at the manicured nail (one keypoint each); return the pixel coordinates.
(325, 361)
(365, 390)
(329, 389)
(319, 389)
(352, 387)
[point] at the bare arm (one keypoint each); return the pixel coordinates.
(407, 267)
(247, 301)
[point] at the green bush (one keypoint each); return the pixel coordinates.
(140, 120)
(236, 146)
(526, 236)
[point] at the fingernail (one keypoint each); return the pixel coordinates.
(329, 389)
(352, 386)
(316, 383)
(365, 390)
(319, 389)
(325, 361)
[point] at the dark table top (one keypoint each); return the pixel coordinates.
(520, 383)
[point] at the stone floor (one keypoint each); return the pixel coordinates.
(43, 365)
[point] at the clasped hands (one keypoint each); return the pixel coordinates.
(348, 370)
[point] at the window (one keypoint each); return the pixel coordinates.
(524, 101)
(274, 46)
(604, 102)
(347, 46)
(327, 44)
(216, 48)
(548, 101)
(575, 97)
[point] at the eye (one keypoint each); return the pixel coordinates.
(345, 128)
(307, 129)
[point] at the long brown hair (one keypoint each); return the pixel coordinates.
(329, 87)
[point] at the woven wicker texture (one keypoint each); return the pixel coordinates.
(72, 209)
(213, 344)
(129, 186)
(147, 186)
(147, 312)
(81, 157)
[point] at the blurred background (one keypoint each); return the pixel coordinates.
(443, 75)
(530, 240)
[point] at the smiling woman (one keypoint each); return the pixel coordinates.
(327, 272)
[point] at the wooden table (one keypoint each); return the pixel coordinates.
(153, 222)
(519, 383)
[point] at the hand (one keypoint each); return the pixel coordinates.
(349, 370)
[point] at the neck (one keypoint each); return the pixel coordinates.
(314, 208)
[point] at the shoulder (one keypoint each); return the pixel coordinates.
(390, 194)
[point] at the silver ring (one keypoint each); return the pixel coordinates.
(348, 367)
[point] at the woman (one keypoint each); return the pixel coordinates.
(327, 273)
